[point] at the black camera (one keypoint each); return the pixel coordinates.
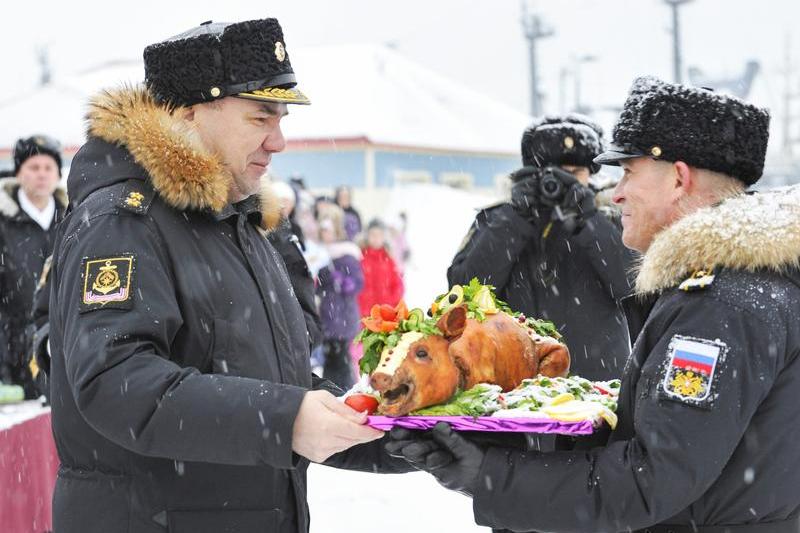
(542, 186)
(536, 188)
(551, 187)
(552, 184)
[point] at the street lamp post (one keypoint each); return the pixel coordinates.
(677, 68)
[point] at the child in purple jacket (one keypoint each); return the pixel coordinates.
(340, 282)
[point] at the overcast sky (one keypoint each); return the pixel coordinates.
(479, 43)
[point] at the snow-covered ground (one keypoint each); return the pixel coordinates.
(354, 502)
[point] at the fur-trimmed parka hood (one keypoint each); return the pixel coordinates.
(746, 232)
(183, 172)
(9, 207)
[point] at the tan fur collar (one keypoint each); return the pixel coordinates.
(183, 172)
(747, 232)
(8, 203)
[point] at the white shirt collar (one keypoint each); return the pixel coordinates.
(44, 217)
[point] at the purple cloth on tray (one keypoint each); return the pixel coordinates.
(484, 423)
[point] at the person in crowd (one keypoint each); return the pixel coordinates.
(382, 282)
(288, 198)
(303, 214)
(352, 220)
(339, 285)
(398, 247)
(31, 203)
(290, 247)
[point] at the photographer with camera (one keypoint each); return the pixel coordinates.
(551, 252)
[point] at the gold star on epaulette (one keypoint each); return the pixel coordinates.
(134, 199)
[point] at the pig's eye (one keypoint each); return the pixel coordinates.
(422, 353)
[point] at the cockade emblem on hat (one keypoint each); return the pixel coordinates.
(655, 151)
(280, 51)
(569, 142)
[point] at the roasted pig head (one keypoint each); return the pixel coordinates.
(416, 373)
(427, 370)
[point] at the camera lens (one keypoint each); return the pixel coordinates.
(551, 187)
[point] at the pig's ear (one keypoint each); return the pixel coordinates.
(453, 322)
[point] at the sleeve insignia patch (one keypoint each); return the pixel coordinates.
(691, 369)
(107, 283)
(697, 281)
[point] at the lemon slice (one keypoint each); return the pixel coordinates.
(577, 410)
(572, 409)
(562, 398)
(610, 417)
(485, 302)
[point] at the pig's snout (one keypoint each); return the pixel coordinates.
(380, 381)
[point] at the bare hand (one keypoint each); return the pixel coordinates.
(325, 426)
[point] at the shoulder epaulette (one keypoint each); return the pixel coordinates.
(699, 280)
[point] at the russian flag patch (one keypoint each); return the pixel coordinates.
(692, 365)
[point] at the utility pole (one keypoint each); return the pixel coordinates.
(45, 71)
(677, 67)
(534, 29)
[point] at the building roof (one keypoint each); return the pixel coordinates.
(375, 92)
(357, 91)
(58, 109)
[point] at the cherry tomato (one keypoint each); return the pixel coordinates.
(362, 402)
(601, 390)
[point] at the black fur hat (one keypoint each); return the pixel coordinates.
(695, 125)
(26, 148)
(562, 140)
(214, 60)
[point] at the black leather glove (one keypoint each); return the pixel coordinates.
(579, 198)
(454, 461)
(525, 196)
(577, 205)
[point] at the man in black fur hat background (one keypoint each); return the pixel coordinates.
(30, 205)
(182, 398)
(707, 435)
(552, 252)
